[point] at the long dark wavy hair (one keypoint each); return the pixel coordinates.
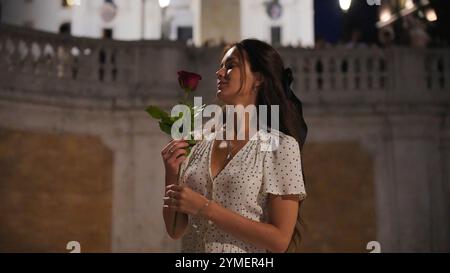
(275, 89)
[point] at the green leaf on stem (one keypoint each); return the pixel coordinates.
(156, 112)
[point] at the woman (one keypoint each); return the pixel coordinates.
(232, 196)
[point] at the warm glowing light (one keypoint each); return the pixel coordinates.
(164, 3)
(409, 4)
(345, 4)
(385, 15)
(73, 2)
(431, 15)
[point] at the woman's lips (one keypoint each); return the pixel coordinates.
(219, 85)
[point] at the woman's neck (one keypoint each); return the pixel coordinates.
(242, 126)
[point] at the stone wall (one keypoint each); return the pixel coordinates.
(54, 188)
(339, 177)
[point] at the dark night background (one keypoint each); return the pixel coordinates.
(335, 26)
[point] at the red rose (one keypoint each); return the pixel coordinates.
(188, 80)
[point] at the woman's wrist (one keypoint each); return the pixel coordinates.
(205, 209)
(170, 180)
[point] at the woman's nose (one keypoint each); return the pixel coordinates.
(219, 73)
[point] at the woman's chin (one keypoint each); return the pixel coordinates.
(222, 97)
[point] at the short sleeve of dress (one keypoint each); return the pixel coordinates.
(282, 168)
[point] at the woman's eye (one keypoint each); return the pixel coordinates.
(227, 66)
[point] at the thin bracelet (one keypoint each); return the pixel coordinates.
(204, 206)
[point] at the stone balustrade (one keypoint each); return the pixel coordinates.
(129, 74)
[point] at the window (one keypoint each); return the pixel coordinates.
(65, 28)
(107, 33)
(184, 33)
(275, 34)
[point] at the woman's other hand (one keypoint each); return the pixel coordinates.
(183, 199)
(173, 154)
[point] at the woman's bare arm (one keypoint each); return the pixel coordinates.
(174, 154)
(182, 223)
(169, 217)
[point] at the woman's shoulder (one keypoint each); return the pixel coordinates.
(272, 140)
(274, 135)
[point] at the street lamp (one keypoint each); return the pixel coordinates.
(345, 4)
(163, 4)
(409, 4)
(409, 7)
(385, 15)
(410, 18)
(430, 15)
(71, 3)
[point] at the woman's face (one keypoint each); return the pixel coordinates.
(229, 80)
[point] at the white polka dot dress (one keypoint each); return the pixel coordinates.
(270, 162)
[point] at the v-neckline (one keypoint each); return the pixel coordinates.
(229, 161)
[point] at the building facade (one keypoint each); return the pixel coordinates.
(284, 22)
